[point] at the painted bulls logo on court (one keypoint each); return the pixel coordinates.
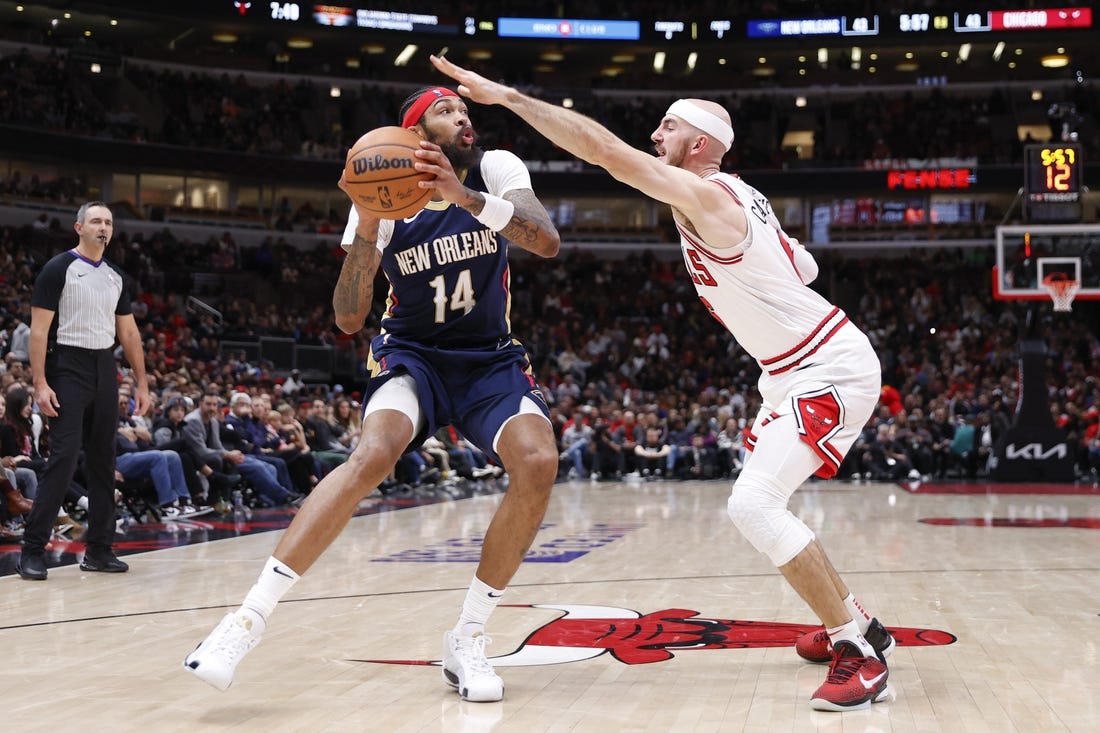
(586, 632)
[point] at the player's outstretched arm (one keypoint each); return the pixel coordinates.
(584, 138)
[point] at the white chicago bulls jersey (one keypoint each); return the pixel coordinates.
(818, 367)
(758, 288)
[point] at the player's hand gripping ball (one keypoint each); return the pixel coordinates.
(380, 174)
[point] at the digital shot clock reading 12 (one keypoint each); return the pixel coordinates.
(1053, 172)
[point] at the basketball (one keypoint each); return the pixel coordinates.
(380, 173)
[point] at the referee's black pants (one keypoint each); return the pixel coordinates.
(86, 384)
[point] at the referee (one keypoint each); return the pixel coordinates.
(79, 306)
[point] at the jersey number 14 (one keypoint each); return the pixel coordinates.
(460, 299)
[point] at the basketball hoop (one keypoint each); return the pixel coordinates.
(1061, 289)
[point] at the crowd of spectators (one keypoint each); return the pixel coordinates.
(640, 380)
(297, 116)
(605, 346)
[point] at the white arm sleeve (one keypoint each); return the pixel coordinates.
(385, 231)
(804, 262)
(503, 171)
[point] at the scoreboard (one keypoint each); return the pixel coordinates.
(930, 23)
(1052, 182)
(671, 27)
(995, 20)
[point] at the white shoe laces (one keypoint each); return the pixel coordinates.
(233, 641)
(470, 653)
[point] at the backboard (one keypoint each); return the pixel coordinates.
(1028, 254)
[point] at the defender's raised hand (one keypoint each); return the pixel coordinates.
(471, 84)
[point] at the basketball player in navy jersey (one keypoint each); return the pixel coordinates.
(820, 376)
(445, 355)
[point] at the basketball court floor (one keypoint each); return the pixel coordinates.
(639, 609)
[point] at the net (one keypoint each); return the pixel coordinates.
(1061, 290)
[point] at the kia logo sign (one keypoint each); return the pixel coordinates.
(1034, 452)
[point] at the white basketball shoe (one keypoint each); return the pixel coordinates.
(466, 668)
(215, 660)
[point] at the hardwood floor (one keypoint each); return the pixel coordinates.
(632, 614)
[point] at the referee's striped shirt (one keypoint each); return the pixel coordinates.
(86, 296)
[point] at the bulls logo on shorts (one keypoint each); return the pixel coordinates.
(820, 417)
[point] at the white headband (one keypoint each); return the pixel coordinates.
(708, 122)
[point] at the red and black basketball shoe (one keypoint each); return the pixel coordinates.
(853, 683)
(814, 646)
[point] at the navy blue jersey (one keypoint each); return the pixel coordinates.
(449, 277)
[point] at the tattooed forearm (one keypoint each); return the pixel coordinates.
(523, 232)
(530, 226)
(351, 300)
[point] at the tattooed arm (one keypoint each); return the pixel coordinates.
(355, 289)
(530, 226)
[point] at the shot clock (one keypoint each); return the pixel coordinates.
(1052, 181)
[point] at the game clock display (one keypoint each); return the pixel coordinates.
(1052, 181)
(285, 11)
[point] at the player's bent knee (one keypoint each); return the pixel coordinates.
(376, 453)
(539, 460)
(534, 463)
(758, 507)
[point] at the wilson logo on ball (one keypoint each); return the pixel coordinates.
(378, 162)
(380, 173)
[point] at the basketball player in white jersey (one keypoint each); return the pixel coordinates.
(821, 378)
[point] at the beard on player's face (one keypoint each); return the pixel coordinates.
(462, 156)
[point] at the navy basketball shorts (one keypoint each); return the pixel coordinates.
(475, 390)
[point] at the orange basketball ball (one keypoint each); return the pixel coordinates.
(380, 173)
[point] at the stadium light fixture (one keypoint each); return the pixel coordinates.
(406, 54)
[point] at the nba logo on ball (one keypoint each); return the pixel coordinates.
(381, 174)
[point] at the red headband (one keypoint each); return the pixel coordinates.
(425, 100)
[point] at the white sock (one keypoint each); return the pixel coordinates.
(481, 601)
(861, 617)
(850, 632)
(275, 580)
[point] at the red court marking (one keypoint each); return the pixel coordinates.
(1070, 522)
(915, 487)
